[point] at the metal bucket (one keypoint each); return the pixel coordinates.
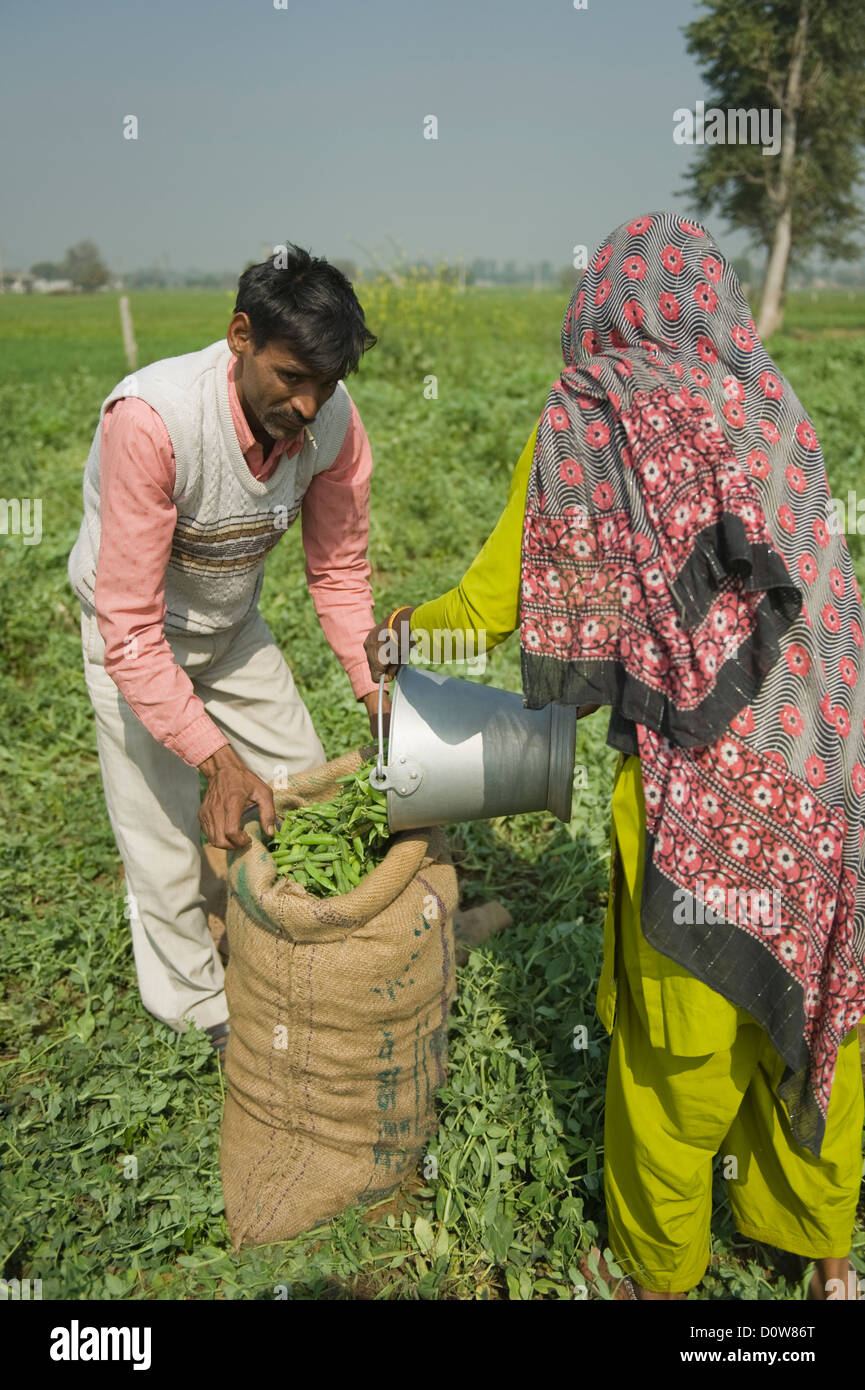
(460, 751)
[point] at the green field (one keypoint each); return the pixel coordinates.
(87, 1077)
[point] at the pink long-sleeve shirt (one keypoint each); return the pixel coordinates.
(137, 478)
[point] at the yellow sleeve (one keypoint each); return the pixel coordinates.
(487, 598)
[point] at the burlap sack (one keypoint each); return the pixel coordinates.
(338, 1040)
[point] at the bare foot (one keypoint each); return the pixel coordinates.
(650, 1296)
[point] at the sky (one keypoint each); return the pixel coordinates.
(259, 125)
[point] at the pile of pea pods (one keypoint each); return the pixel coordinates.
(329, 846)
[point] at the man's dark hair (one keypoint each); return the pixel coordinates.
(305, 301)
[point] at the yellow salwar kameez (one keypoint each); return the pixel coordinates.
(690, 1074)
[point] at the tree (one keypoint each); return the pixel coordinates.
(84, 266)
(47, 270)
(806, 59)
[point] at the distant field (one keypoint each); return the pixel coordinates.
(40, 333)
(88, 1077)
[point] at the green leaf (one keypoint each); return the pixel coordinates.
(423, 1234)
(83, 1026)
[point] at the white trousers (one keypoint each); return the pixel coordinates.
(153, 798)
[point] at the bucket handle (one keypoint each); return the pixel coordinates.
(406, 778)
(379, 766)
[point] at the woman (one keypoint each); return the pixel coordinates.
(666, 550)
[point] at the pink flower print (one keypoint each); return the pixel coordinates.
(836, 581)
(730, 758)
(856, 632)
(743, 722)
(597, 435)
(770, 431)
(602, 257)
(634, 312)
(603, 496)
(771, 386)
(640, 224)
(691, 228)
(733, 388)
(805, 435)
(758, 463)
(590, 341)
(798, 659)
(672, 259)
(791, 721)
(821, 533)
(603, 290)
(786, 520)
(734, 414)
(634, 267)
(815, 771)
(593, 633)
(570, 472)
(669, 306)
(808, 567)
(706, 348)
(796, 478)
(558, 417)
(858, 779)
(742, 338)
(706, 297)
(848, 671)
(829, 614)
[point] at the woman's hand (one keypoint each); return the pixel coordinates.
(384, 651)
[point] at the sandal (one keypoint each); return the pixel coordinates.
(218, 1034)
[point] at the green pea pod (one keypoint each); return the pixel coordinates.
(319, 878)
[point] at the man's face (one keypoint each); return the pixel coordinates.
(275, 385)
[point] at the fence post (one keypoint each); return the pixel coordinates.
(129, 345)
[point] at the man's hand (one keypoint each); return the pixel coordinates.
(231, 787)
(379, 639)
(371, 702)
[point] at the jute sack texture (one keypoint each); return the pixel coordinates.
(339, 1010)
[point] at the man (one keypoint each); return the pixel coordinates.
(198, 466)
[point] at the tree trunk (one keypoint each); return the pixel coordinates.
(772, 298)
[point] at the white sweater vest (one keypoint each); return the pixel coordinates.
(227, 520)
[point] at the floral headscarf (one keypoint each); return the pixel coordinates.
(679, 563)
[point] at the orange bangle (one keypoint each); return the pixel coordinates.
(393, 615)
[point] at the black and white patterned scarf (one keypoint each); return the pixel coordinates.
(680, 563)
